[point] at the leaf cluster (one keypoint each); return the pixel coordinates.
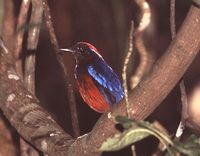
(135, 131)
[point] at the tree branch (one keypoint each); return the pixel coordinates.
(19, 35)
(145, 62)
(158, 84)
(35, 24)
(29, 68)
(22, 109)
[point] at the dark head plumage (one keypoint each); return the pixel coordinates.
(83, 51)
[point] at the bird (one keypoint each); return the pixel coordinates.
(98, 85)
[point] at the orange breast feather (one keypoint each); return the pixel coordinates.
(91, 94)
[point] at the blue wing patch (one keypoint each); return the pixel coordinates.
(107, 81)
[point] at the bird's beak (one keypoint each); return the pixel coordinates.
(67, 50)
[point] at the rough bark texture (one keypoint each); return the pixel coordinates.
(22, 109)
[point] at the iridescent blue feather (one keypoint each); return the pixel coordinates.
(106, 80)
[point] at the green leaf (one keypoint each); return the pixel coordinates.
(124, 121)
(190, 147)
(137, 130)
(134, 132)
(163, 137)
(128, 137)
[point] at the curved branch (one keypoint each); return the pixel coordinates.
(35, 24)
(19, 35)
(145, 62)
(158, 84)
(22, 109)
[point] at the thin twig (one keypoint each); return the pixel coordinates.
(133, 150)
(138, 34)
(29, 78)
(21, 21)
(173, 18)
(124, 74)
(125, 66)
(33, 36)
(70, 91)
(29, 81)
(35, 24)
(145, 60)
(184, 113)
(135, 79)
(181, 125)
(29, 73)
(19, 35)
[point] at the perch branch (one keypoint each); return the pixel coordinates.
(151, 92)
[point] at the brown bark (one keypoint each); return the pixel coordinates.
(22, 109)
(6, 144)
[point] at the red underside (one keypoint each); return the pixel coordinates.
(91, 94)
